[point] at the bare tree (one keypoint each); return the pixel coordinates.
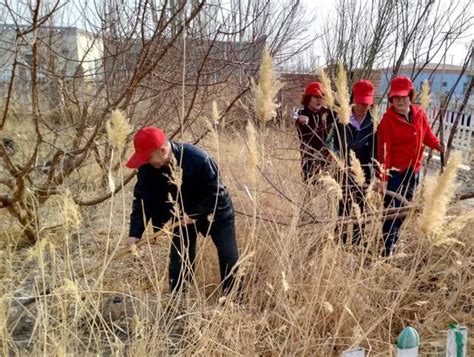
(365, 35)
(161, 62)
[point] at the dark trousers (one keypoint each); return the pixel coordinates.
(183, 249)
(352, 194)
(403, 183)
(310, 167)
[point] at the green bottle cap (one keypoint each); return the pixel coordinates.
(408, 338)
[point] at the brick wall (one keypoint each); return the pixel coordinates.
(290, 95)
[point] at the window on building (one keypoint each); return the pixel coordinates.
(445, 84)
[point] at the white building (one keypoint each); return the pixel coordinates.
(64, 53)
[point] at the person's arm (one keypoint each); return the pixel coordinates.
(150, 202)
(299, 119)
(373, 155)
(429, 138)
(140, 208)
(295, 116)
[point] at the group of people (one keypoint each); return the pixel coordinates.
(202, 204)
(390, 152)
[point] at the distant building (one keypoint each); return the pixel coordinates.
(442, 78)
(64, 52)
(213, 61)
(293, 88)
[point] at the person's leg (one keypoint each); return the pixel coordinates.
(405, 184)
(343, 212)
(391, 227)
(309, 170)
(359, 199)
(223, 235)
(182, 256)
(412, 181)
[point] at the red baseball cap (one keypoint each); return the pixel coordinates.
(400, 87)
(363, 92)
(315, 89)
(145, 141)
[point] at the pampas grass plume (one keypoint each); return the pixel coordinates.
(331, 186)
(328, 99)
(118, 129)
(375, 113)
(437, 195)
(425, 95)
(344, 109)
(266, 90)
(356, 168)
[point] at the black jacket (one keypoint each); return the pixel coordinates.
(362, 142)
(201, 194)
(314, 135)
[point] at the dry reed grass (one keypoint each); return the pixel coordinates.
(425, 99)
(356, 169)
(305, 294)
(266, 90)
(118, 129)
(328, 99)
(438, 192)
(343, 107)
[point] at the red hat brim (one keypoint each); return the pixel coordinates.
(138, 159)
(363, 99)
(317, 93)
(399, 93)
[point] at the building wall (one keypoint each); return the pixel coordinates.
(90, 50)
(293, 87)
(6, 54)
(61, 52)
(441, 83)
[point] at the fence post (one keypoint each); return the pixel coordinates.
(355, 352)
(456, 344)
(408, 342)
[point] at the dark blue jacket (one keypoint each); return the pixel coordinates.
(201, 193)
(362, 142)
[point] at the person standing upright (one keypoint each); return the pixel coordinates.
(313, 123)
(358, 137)
(401, 136)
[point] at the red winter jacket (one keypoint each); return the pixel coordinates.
(400, 144)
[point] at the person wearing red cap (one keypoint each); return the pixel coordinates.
(204, 203)
(401, 136)
(313, 123)
(359, 137)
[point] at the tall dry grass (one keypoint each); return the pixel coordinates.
(425, 99)
(305, 294)
(328, 99)
(266, 90)
(344, 106)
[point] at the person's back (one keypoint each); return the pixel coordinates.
(202, 190)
